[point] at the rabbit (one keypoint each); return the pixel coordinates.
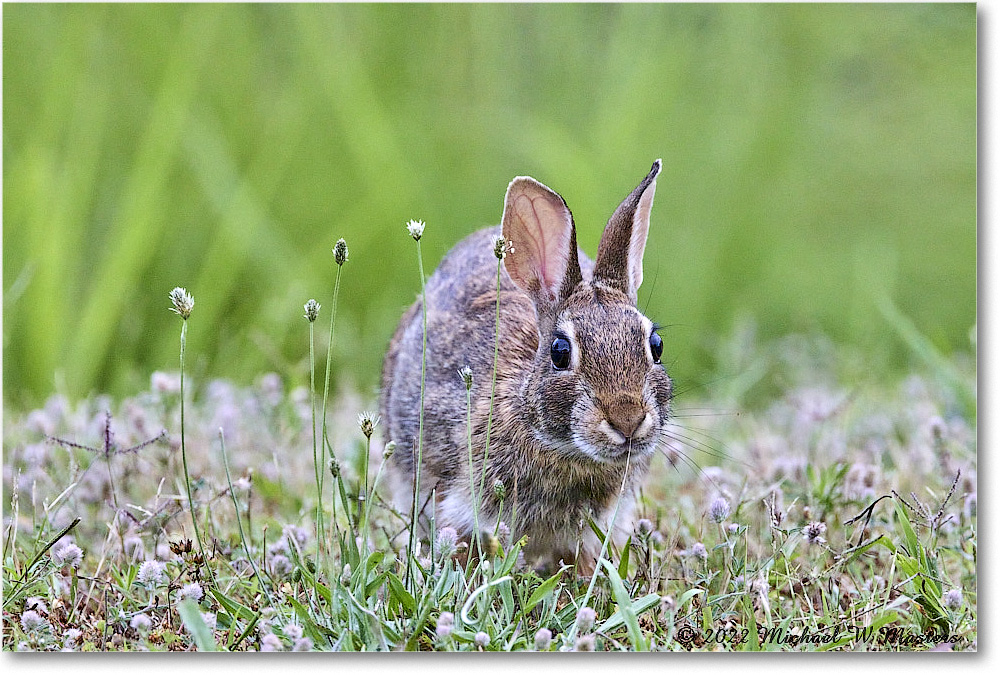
(582, 396)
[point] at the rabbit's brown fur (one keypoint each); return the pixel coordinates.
(561, 439)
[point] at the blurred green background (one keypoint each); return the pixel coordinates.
(816, 158)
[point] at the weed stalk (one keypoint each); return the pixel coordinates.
(420, 423)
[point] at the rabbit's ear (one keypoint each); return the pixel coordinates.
(619, 255)
(539, 226)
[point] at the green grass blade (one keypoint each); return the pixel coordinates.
(203, 637)
(625, 607)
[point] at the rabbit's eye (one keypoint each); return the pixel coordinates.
(656, 347)
(560, 353)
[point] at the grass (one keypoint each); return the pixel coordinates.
(813, 496)
(839, 513)
(813, 155)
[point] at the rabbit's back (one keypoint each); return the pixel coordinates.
(461, 297)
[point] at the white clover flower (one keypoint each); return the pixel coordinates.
(543, 639)
(151, 573)
(193, 591)
(141, 623)
(585, 618)
(71, 637)
(952, 599)
(281, 565)
(447, 542)
(415, 228)
(445, 624)
(271, 643)
(33, 622)
(482, 640)
(698, 550)
(585, 643)
(293, 532)
(37, 603)
(814, 532)
(292, 631)
(719, 510)
(302, 645)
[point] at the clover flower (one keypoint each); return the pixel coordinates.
(67, 554)
(193, 591)
(447, 542)
(280, 565)
(71, 637)
(151, 573)
(141, 623)
(543, 639)
(445, 625)
(719, 510)
(814, 532)
(33, 622)
(698, 550)
(271, 643)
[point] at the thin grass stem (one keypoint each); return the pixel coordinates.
(571, 635)
(187, 475)
(493, 385)
(472, 473)
(239, 522)
(420, 425)
(326, 395)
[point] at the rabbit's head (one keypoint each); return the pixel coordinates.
(597, 389)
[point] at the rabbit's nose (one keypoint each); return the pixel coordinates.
(631, 421)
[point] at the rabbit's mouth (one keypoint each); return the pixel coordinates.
(613, 448)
